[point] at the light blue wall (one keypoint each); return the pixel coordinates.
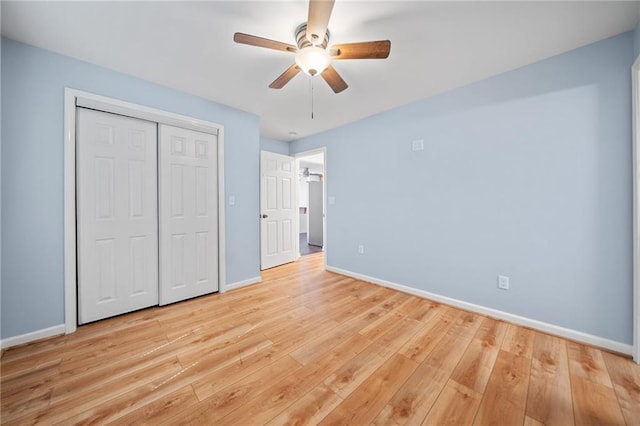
(273, 145)
(527, 174)
(33, 82)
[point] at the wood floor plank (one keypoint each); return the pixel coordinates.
(422, 343)
(447, 353)
(160, 409)
(456, 405)
(30, 385)
(417, 309)
(235, 397)
(549, 398)
(328, 339)
(505, 396)
(625, 376)
(101, 374)
(382, 325)
(413, 400)
(395, 301)
(27, 365)
(277, 397)
(363, 404)
(519, 340)
(243, 342)
(31, 349)
(529, 421)
(307, 346)
(69, 407)
(587, 363)
(357, 370)
(390, 342)
(310, 409)
(134, 404)
(475, 367)
(86, 359)
(14, 409)
(214, 381)
(595, 403)
(416, 396)
(594, 400)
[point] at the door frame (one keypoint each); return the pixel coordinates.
(297, 156)
(74, 98)
(635, 96)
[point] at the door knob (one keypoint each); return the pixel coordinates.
(264, 216)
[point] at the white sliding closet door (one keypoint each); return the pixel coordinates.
(117, 214)
(188, 214)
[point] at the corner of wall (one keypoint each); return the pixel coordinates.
(273, 145)
(636, 39)
(1, 39)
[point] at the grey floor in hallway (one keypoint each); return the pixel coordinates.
(306, 248)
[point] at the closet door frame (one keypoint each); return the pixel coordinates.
(75, 98)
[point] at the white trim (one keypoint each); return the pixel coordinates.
(244, 283)
(222, 239)
(635, 95)
(296, 164)
(116, 106)
(297, 156)
(34, 335)
(72, 98)
(567, 333)
(70, 274)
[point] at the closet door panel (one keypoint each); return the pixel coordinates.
(188, 214)
(117, 214)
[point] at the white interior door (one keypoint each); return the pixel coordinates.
(278, 209)
(117, 214)
(188, 214)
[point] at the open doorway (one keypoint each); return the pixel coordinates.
(311, 201)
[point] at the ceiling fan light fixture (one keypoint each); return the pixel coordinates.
(312, 60)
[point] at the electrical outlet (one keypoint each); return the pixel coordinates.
(417, 145)
(360, 249)
(503, 282)
(332, 200)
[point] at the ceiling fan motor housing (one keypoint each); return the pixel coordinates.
(302, 41)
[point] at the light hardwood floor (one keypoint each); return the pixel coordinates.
(307, 346)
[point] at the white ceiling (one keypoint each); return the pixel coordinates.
(435, 47)
(314, 161)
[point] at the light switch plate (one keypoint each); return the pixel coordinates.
(332, 200)
(232, 200)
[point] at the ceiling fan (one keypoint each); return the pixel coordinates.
(312, 55)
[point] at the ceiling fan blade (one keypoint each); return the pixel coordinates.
(263, 42)
(364, 50)
(334, 80)
(285, 77)
(318, 20)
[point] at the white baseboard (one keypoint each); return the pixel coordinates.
(239, 284)
(30, 337)
(567, 333)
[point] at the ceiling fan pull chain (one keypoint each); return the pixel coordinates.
(311, 97)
